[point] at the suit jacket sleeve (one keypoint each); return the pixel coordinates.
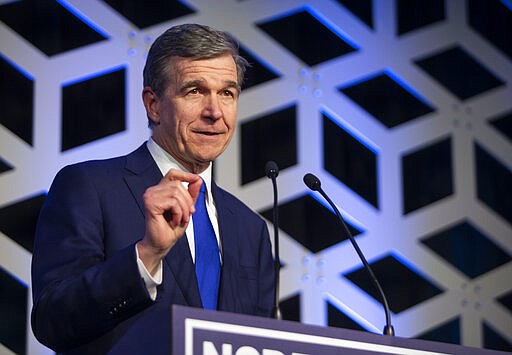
(80, 293)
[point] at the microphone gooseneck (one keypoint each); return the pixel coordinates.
(272, 171)
(314, 184)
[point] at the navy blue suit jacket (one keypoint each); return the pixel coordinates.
(88, 295)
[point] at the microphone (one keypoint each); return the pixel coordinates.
(272, 171)
(314, 184)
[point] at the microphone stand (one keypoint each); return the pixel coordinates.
(272, 171)
(314, 184)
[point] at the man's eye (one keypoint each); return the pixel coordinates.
(194, 91)
(228, 93)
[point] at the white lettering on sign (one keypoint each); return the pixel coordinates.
(227, 349)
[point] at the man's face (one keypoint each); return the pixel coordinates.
(195, 116)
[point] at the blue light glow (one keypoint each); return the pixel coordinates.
(20, 69)
(84, 19)
(93, 75)
(351, 131)
(507, 3)
(331, 26)
(14, 277)
(406, 86)
(404, 261)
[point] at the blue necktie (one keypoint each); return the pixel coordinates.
(207, 253)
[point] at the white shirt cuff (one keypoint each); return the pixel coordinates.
(151, 282)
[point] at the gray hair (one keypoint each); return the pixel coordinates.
(188, 41)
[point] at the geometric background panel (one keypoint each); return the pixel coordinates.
(271, 137)
(493, 340)
(146, 13)
(13, 312)
(387, 100)
(290, 308)
(93, 109)
(4, 166)
(17, 89)
(427, 175)
(307, 37)
(459, 72)
(416, 14)
(420, 98)
(448, 332)
(18, 220)
(466, 248)
(350, 161)
(361, 8)
(257, 72)
(490, 175)
(320, 229)
(403, 287)
(503, 123)
(506, 300)
(493, 20)
(48, 25)
(336, 318)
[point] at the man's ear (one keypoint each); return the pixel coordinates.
(151, 103)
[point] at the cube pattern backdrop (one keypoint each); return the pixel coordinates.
(402, 108)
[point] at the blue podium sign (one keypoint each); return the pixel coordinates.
(199, 332)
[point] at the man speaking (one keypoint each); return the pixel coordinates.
(121, 240)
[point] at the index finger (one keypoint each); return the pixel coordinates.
(183, 176)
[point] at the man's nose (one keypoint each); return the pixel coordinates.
(212, 107)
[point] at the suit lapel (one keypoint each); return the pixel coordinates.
(145, 173)
(180, 262)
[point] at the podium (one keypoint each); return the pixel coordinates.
(199, 332)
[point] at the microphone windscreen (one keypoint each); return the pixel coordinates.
(312, 181)
(271, 169)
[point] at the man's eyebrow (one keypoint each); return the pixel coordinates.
(191, 84)
(200, 82)
(232, 84)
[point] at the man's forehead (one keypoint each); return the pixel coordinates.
(220, 70)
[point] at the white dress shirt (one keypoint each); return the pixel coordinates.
(165, 162)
